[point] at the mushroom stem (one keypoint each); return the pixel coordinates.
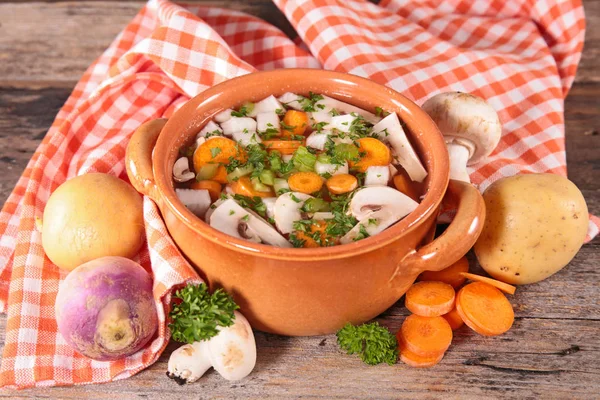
(232, 353)
(459, 156)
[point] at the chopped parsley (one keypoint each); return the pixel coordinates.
(243, 111)
(309, 104)
(215, 151)
(362, 233)
(246, 217)
(253, 203)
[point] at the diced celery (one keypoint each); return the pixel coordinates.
(267, 177)
(207, 171)
(304, 160)
(324, 158)
(346, 151)
(239, 172)
(281, 186)
(315, 204)
(258, 186)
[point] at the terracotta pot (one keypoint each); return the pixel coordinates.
(308, 291)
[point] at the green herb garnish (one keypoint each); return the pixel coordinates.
(373, 343)
(215, 151)
(199, 313)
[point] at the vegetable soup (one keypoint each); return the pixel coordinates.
(299, 171)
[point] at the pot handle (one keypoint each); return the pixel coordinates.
(138, 158)
(458, 238)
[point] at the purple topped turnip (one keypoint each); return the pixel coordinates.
(105, 309)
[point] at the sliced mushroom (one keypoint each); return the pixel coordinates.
(333, 169)
(238, 124)
(292, 100)
(268, 105)
(231, 218)
(267, 121)
(377, 176)
(269, 203)
(373, 223)
(223, 116)
(390, 131)
(181, 170)
(327, 104)
(196, 200)
(210, 128)
(213, 206)
(377, 198)
(287, 210)
(470, 126)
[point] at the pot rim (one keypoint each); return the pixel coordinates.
(428, 136)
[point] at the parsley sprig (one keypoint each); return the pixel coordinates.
(199, 314)
(373, 343)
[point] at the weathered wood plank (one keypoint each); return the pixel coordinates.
(55, 42)
(537, 358)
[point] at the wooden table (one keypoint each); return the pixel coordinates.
(553, 350)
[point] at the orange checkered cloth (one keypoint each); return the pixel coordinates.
(520, 55)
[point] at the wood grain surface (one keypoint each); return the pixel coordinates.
(553, 350)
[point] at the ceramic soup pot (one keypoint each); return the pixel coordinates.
(293, 291)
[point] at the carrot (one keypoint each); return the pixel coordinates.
(283, 146)
(484, 309)
(453, 319)
(376, 153)
(425, 336)
(406, 186)
(341, 183)
(221, 175)
(451, 275)
(218, 150)
(244, 187)
(213, 187)
(505, 287)
(296, 123)
(414, 360)
(309, 241)
(305, 182)
(430, 299)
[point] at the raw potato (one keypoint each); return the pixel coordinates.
(534, 226)
(91, 216)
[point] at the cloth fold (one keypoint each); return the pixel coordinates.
(521, 56)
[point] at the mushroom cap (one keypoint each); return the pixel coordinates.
(374, 198)
(466, 119)
(233, 351)
(287, 210)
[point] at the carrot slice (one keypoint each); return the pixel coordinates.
(454, 319)
(505, 287)
(451, 275)
(425, 336)
(213, 187)
(305, 182)
(283, 146)
(414, 360)
(374, 153)
(244, 187)
(430, 299)
(218, 150)
(296, 121)
(484, 309)
(341, 183)
(309, 242)
(406, 186)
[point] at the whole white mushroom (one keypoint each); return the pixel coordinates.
(470, 126)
